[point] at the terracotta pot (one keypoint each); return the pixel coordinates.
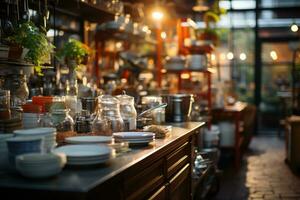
(210, 37)
(85, 60)
(17, 52)
(4, 51)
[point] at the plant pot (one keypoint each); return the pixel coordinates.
(4, 51)
(17, 52)
(210, 37)
(85, 60)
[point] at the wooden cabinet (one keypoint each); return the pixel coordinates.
(159, 171)
(169, 177)
(180, 184)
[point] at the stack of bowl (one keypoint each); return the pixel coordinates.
(22, 145)
(48, 135)
(3, 149)
(36, 165)
(30, 120)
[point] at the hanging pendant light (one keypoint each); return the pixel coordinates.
(200, 6)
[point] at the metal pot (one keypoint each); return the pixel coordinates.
(179, 107)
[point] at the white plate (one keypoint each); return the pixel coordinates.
(36, 131)
(88, 139)
(137, 135)
(83, 150)
(5, 136)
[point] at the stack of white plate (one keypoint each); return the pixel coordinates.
(88, 139)
(30, 120)
(36, 165)
(134, 138)
(47, 133)
(85, 154)
(3, 150)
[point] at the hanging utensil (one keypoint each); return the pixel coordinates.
(46, 14)
(25, 14)
(18, 14)
(7, 26)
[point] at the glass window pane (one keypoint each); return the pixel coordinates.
(276, 53)
(243, 4)
(279, 3)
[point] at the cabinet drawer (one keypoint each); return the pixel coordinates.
(160, 194)
(144, 181)
(178, 159)
(179, 187)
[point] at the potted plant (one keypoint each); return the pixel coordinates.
(211, 17)
(30, 44)
(75, 52)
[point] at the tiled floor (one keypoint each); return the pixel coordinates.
(264, 174)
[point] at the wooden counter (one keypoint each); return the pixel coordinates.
(159, 171)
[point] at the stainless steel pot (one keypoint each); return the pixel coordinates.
(179, 107)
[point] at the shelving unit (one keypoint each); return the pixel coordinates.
(102, 36)
(87, 11)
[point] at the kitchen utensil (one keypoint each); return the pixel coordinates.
(179, 107)
(7, 25)
(163, 105)
(25, 14)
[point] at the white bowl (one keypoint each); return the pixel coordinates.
(37, 165)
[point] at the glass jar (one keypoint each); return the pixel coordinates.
(45, 120)
(108, 119)
(71, 104)
(5, 112)
(62, 120)
(157, 115)
(128, 111)
(17, 85)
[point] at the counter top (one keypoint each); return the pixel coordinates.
(82, 180)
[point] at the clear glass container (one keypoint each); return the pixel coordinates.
(5, 112)
(128, 111)
(108, 119)
(17, 85)
(45, 120)
(62, 120)
(157, 115)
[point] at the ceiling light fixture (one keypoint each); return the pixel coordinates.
(157, 15)
(294, 27)
(243, 56)
(200, 6)
(273, 55)
(230, 56)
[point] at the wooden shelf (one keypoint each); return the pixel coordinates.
(122, 36)
(209, 70)
(87, 11)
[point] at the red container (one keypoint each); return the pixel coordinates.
(43, 101)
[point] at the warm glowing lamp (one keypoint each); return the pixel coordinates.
(294, 27)
(157, 15)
